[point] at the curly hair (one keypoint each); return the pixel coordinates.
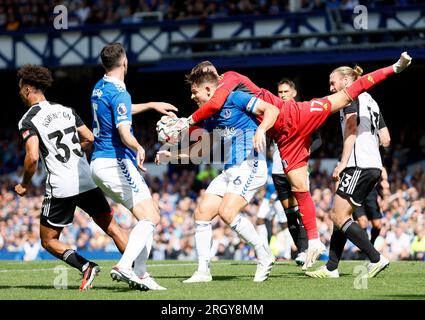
(198, 77)
(37, 76)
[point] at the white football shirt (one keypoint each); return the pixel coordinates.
(68, 172)
(365, 153)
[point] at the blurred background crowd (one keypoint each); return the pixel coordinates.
(177, 192)
(17, 14)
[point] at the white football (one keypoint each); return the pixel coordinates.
(169, 129)
(163, 128)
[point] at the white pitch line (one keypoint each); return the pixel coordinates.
(149, 265)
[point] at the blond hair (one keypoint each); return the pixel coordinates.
(352, 73)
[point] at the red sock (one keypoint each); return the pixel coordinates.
(368, 81)
(308, 213)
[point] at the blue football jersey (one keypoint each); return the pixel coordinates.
(111, 107)
(236, 123)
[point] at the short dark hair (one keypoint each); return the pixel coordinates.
(198, 77)
(111, 55)
(36, 76)
(288, 82)
(201, 66)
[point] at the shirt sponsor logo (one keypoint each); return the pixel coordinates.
(122, 110)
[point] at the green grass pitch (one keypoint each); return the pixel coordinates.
(231, 280)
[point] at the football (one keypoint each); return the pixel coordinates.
(169, 129)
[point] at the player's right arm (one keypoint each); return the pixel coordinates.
(161, 107)
(208, 109)
(350, 134)
(30, 164)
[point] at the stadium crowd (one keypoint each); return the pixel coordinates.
(177, 192)
(20, 14)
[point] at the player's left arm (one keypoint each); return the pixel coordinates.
(270, 114)
(85, 136)
(161, 107)
(383, 133)
(30, 164)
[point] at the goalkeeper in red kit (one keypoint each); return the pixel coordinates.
(293, 128)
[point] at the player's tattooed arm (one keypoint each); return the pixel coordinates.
(161, 107)
(30, 164)
(86, 138)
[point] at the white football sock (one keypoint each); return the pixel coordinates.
(136, 242)
(314, 242)
(203, 239)
(140, 262)
(247, 231)
(262, 231)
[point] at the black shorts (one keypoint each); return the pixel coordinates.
(369, 208)
(59, 212)
(282, 186)
(356, 183)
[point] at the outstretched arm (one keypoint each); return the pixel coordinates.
(342, 98)
(161, 107)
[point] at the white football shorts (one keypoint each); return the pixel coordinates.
(243, 179)
(120, 180)
(268, 210)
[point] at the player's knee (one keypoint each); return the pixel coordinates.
(299, 187)
(227, 213)
(45, 241)
(337, 218)
(202, 212)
